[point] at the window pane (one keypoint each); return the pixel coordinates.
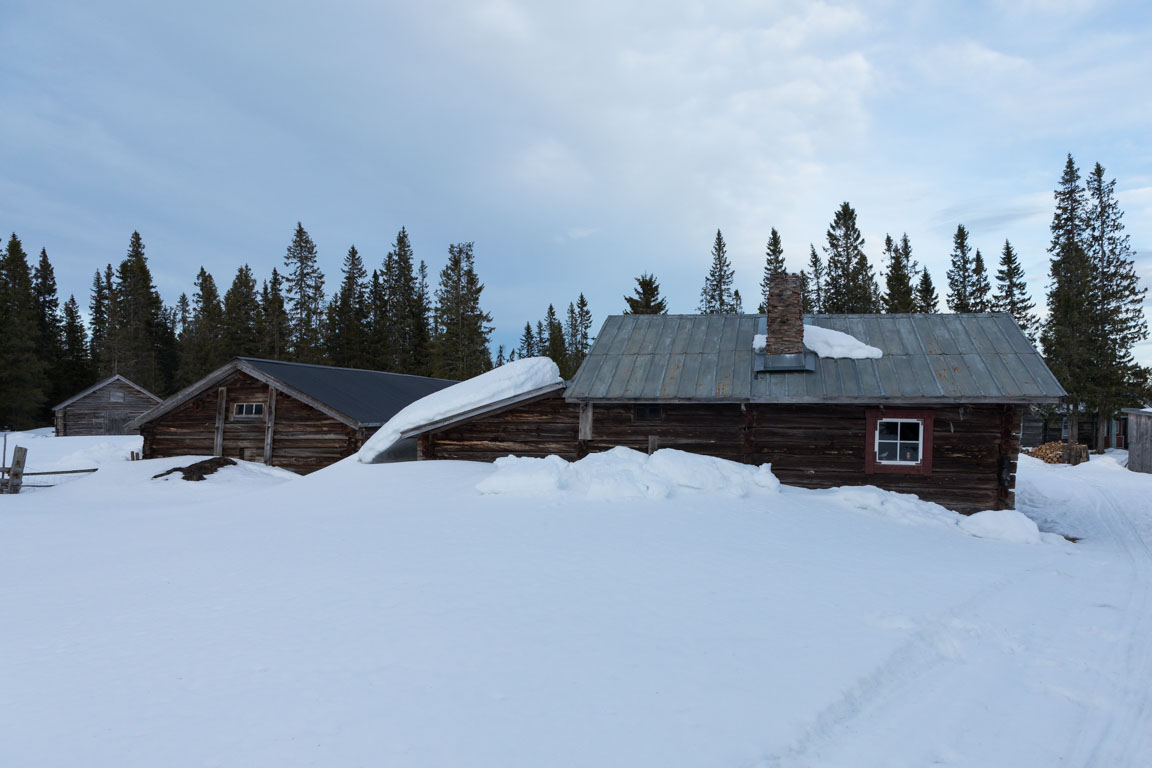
(888, 430)
(909, 452)
(238, 409)
(910, 430)
(259, 409)
(886, 451)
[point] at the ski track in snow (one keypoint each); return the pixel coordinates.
(1111, 727)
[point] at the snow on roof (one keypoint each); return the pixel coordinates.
(826, 342)
(508, 381)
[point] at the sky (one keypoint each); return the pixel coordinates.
(576, 144)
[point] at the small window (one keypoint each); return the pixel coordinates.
(646, 412)
(248, 410)
(115, 397)
(899, 442)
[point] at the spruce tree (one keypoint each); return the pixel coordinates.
(584, 329)
(241, 332)
(555, 348)
(927, 302)
(1119, 303)
(348, 313)
(960, 277)
(573, 356)
(647, 299)
(421, 340)
(849, 285)
(403, 317)
(460, 346)
(24, 383)
(981, 288)
(1070, 336)
(500, 356)
(899, 294)
(49, 331)
(304, 294)
(140, 335)
(814, 293)
(183, 316)
(541, 339)
(1012, 293)
(274, 313)
(527, 346)
(737, 307)
(98, 308)
(773, 265)
(204, 350)
(75, 372)
(716, 297)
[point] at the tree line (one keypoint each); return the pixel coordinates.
(390, 319)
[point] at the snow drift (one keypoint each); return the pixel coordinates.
(623, 473)
(515, 378)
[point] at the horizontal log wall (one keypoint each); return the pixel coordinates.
(303, 438)
(96, 414)
(808, 446)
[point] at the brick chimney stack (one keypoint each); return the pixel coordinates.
(785, 316)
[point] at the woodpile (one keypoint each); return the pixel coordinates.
(1060, 453)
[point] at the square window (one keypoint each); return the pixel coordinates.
(899, 441)
(646, 413)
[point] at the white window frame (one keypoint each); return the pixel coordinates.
(239, 408)
(898, 441)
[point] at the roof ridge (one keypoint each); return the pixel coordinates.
(336, 368)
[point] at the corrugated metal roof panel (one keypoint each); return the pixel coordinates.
(927, 358)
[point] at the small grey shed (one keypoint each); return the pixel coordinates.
(1139, 439)
(105, 408)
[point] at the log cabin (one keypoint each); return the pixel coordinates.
(296, 416)
(105, 408)
(937, 415)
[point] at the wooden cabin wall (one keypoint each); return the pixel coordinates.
(303, 438)
(539, 428)
(1140, 442)
(96, 414)
(974, 452)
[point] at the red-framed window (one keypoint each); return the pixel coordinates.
(898, 442)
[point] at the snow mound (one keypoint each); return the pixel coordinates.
(515, 378)
(890, 505)
(623, 473)
(828, 343)
(1002, 524)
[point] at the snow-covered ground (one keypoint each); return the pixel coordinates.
(631, 611)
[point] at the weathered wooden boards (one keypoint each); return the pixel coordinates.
(104, 411)
(1139, 440)
(13, 477)
(813, 446)
(289, 434)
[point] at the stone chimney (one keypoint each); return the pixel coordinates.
(785, 316)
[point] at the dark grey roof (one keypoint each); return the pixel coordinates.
(100, 385)
(927, 358)
(359, 398)
(367, 397)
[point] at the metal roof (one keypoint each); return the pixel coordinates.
(927, 358)
(368, 397)
(358, 397)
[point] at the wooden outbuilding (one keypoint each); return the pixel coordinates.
(105, 408)
(1139, 439)
(937, 415)
(292, 415)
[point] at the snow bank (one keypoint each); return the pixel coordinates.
(623, 473)
(828, 343)
(1002, 524)
(509, 380)
(890, 505)
(46, 452)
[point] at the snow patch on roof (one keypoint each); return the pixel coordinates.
(826, 342)
(515, 378)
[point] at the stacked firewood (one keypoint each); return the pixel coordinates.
(1060, 453)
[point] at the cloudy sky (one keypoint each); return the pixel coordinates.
(578, 144)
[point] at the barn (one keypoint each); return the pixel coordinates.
(293, 415)
(936, 412)
(105, 408)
